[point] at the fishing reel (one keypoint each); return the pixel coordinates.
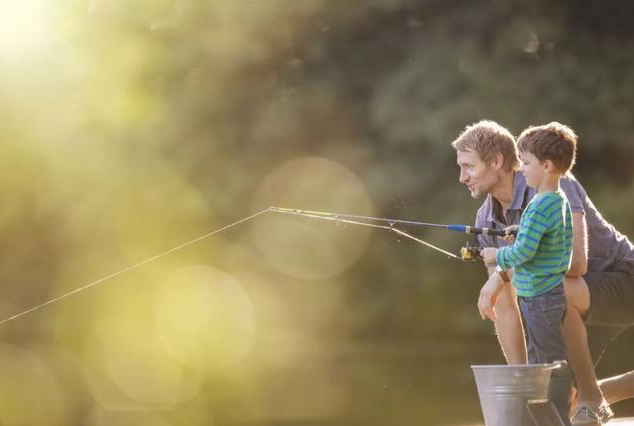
(470, 253)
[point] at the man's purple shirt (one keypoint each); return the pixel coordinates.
(608, 249)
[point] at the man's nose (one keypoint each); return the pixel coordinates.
(463, 177)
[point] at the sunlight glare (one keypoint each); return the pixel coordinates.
(24, 25)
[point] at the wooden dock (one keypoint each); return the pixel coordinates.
(623, 421)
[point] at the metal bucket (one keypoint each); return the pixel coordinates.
(505, 390)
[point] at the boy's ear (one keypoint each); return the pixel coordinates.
(548, 166)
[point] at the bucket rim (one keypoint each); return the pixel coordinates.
(552, 365)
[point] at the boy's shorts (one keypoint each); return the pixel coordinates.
(543, 319)
(611, 308)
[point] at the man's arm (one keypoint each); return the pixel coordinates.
(508, 323)
(489, 294)
(579, 264)
(576, 196)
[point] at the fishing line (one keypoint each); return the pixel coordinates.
(337, 218)
(305, 213)
(129, 268)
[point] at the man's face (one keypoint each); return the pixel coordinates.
(475, 173)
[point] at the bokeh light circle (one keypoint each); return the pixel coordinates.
(29, 393)
(205, 318)
(304, 247)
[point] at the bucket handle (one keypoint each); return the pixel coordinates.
(561, 366)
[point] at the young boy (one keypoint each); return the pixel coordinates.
(541, 254)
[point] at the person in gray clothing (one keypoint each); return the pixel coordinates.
(599, 285)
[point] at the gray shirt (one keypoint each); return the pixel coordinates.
(608, 249)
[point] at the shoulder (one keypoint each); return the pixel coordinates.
(541, 199)
(544, 203)
(552, 200)
(571, 186)
(575, 193)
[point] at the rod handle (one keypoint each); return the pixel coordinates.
(483, 231)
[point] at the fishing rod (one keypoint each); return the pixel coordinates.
(466, 253)
(452, 227)
(307, 213)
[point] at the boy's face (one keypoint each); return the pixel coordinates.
(476, 174)
(532, 169)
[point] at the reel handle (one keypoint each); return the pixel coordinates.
(470, 253)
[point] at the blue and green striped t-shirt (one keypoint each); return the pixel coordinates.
(542, 251)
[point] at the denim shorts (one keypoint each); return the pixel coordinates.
(611, 298)
(543, 319)
(611, 308)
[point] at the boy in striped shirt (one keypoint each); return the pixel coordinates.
(541, 254)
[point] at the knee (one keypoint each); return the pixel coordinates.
(577, 294)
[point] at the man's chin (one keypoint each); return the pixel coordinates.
(475, 194)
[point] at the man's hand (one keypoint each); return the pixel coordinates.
(488, 296)
(488, 255)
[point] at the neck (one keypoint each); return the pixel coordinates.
(549, 184)
(503, 189)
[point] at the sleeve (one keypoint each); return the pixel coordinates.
(574, 193)
(532, 227)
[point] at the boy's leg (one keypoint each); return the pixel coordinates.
(544, 316)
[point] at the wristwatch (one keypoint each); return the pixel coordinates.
(502, 273)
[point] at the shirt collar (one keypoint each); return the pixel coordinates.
(519, 191)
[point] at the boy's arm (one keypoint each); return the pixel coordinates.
(579, 264)
(532, 228)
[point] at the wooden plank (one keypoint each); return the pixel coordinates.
(621, 422)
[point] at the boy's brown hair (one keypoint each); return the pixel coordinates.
(487, 138)
(553, 141)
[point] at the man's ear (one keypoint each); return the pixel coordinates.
(498, 161)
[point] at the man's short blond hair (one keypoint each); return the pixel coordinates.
(487, 138)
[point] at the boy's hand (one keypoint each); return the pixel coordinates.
(509, 237)
(488, 255)
(488, 297)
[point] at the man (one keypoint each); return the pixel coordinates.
(602, 268)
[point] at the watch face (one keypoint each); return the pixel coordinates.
(503, 276)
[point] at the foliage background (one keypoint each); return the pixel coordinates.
(129, 127)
